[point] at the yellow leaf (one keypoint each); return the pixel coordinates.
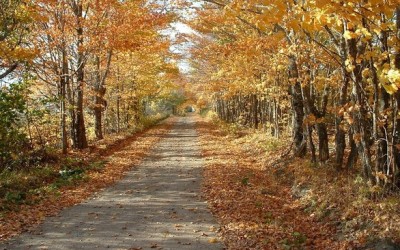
(393, 76)
(366, 73)
(390, 88)
(349, 35)
(213, 240)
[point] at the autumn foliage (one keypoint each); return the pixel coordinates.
(90, 67)
(321, 78)
(327, 70)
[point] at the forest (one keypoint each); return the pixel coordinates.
(306, 92)
(72, 71)
(326, 72)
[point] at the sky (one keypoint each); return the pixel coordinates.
(182, 48)
(179, 28)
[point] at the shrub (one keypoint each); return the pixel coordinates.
(12, 139)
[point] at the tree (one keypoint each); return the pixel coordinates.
(340, 72)
(16, 17)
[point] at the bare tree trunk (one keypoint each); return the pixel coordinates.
(63, 82)
(380, 122)
(71, 109)
(311, 143)
(353, 156)
(276, 119)
(98, 101)
(359, 114)
(323, 146)
(310, 107)
(340, 136)
(255, 111)
(100, 91)
(300, 147)
(80, 131)
(118, 113)
(396, 128)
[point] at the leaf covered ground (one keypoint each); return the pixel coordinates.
(94, 169)
(265, 201)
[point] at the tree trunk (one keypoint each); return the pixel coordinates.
(119, 114)
(323, 147)
(300, 147)
(71, 109)
(353, 156)
(80, 131)
(380, 122)
(340, 136)
(396, 127)
(100, 92)
(311, 143)
(359, 114)
(98, 103)
(255, 111)
(311, 109)
(276, 119)
(63, 82)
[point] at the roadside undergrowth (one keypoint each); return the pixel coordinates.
(254, 209)
(265, 199)
(68, 181)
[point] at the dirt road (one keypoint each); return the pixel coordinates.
(156, 206)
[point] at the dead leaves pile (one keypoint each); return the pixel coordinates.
(255, 211)
(121, 156)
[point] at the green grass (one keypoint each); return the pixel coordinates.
(29, 186)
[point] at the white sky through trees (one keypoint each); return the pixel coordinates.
(178, 31)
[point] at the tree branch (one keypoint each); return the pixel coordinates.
(9, 70)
